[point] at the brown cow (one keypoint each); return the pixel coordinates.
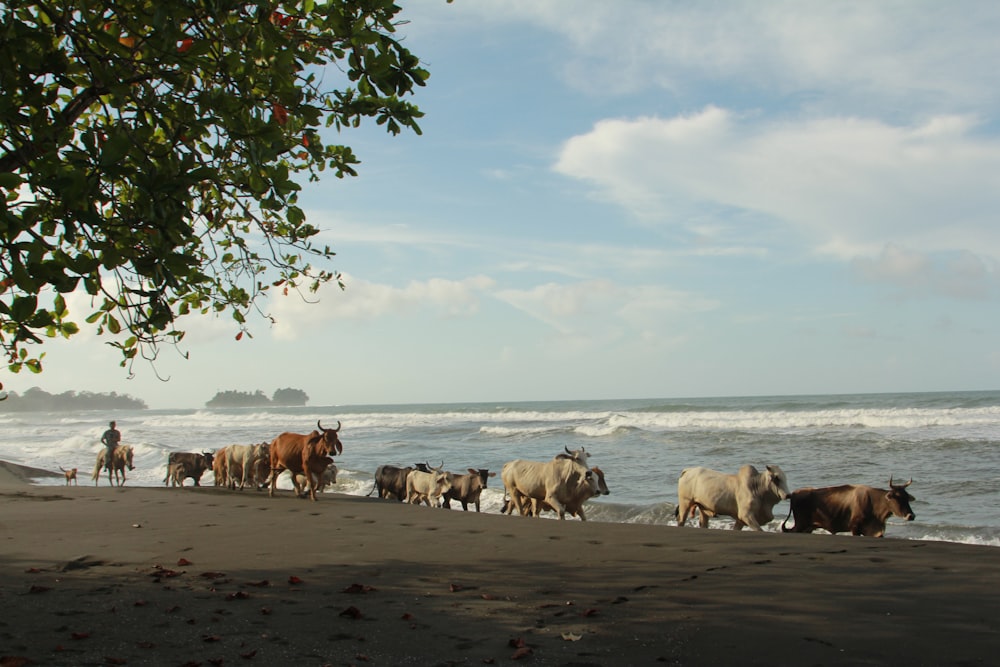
(293, 451)
(466, 488)
(195, 466)
(220, 468)
(854, 508)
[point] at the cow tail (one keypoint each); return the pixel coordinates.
(374, 486)
(783, 529)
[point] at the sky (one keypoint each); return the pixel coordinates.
(640, 199)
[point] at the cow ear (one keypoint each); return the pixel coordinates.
(492, 474)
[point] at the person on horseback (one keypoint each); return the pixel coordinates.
(111, 439)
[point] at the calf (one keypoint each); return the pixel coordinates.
(324, 471)
(195, 465)
(427, 486)
(177, 472)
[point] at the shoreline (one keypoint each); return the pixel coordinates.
(205, 576)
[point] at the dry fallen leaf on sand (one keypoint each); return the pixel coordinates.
(351, 612)
(14, 661)
(359, 588)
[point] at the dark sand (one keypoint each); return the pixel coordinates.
(157, 576)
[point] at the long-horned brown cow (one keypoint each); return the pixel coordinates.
(853, 508)
(293, 451)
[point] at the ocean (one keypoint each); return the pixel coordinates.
(948, 443)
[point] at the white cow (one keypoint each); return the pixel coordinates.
(427, 487)
(242, 461)
(748, 496)
(581, 455)
(562, 484)
(539, 506)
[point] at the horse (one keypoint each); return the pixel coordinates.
(122, 459)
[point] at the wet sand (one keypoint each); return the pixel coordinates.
(206, 576)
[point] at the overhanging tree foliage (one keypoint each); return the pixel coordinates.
(149, 153)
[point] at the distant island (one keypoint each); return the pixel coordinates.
(244, 399)
(39, 400)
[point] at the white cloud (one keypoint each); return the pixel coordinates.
(592, 309)
(961, 275)
(847, 183)
(363, 300)
(828, 54)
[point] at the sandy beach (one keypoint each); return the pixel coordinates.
(205, 576)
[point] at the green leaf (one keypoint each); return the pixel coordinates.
(10, 181)
(23, 308)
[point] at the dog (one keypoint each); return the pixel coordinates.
(70, 476)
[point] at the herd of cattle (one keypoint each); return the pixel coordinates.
(561, 485)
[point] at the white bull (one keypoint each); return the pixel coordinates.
(748, 496)
(563, 484)
(427, 487)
